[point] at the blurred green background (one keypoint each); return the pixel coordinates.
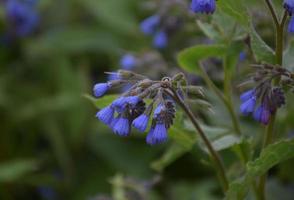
(51, 144)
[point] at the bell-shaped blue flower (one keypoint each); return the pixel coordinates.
(100, 89)
(289, 6)
(262, 114)
(247, 95)
(203, 6)
(141, 122)
(128, 62)
(157, 135)
(106, 115)
(160, 39)
(248, 106)
(22, 17)
(122, 126)
(291, 25)
(150, 24)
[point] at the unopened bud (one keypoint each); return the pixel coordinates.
(125, 74)
(194, 90)
(178, 77)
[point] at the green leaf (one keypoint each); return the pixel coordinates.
(101, 102)
(288, 61)
(269, 157)
(235, 9)
(225, 142)
(262, 52)
(16, 169)
(189, 58)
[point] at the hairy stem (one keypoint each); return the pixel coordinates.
(268, 136)
(213, 154)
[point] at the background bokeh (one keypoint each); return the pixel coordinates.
(51, 144)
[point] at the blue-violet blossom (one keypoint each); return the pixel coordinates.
(203, 6)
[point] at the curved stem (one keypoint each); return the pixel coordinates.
(214, 155)
(272, 11)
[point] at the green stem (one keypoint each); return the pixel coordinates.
(268, 136)
(225, 100)
(213, 154)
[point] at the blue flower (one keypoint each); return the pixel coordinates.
(248, 106)
(149, 25)
(122, 126)
(106, 115)
(128, 62)
(289, 6)
(203, 6)
(160, 39)
(22, 17)
(141, 122)
(247, 95)
(122, 101)
(157, 135)
(291, 25)
(242, 56)
(262, 114)
(100, 89)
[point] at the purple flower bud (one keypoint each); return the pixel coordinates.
(242, 56)
(203, 6)
(289, 6)
(248, 106)
(262, 114)
(291, 25)
(160, 40)
(128, 62)
(122, 127)
(100, 89)
(150, 24)
(106, 115)
(141, 122)
(157, 135)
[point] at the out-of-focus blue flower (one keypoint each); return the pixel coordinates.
(289, 6)
(122, 126)
(291, 25)
(203, 6)
(160, 39)
(150, 24)
(141, 122)
(242, 56)
(248, 104)
(262, 114)
(128, 62)
(100, 89)
(22, 17)
(106, 115)
(157, 135)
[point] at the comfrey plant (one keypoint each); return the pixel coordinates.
(22, 17)
(130, 109)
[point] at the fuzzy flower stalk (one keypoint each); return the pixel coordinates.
(150, 106)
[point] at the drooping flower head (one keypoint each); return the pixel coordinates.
(203, 6)
(289, 6)
(22, 17)
(263, 100)
(130, 110)
(101, 88)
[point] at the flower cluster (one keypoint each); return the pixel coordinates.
(22, 16)
(203, 6)
(130, 110)
(263, 100)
